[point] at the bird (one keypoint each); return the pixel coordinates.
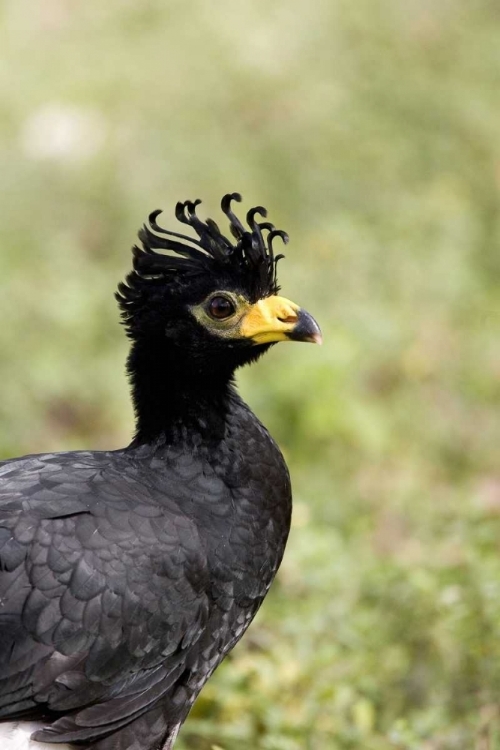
(126, 576)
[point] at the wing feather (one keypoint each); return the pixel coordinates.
(105, 591)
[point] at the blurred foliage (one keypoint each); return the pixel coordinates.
(371, 132)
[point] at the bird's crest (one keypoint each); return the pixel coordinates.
(250, 260)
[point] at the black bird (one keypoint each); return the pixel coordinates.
(126, 576)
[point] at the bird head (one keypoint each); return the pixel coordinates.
(215, 299)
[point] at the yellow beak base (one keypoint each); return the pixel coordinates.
(278, 319)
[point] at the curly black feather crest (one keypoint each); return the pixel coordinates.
(250, 261)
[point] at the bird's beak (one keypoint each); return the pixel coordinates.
(277, 319)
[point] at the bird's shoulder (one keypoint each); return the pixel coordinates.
(94, 513)
(59, 485)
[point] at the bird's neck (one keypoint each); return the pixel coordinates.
(175, 394)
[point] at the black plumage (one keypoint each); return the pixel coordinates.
(126, 576)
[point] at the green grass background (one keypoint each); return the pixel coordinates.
(371, 131)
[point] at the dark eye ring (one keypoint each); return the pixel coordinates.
(221, 307)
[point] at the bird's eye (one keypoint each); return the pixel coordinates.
(221, 307)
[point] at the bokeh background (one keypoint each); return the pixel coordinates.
(371, 131)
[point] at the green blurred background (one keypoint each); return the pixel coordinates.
(371, 131)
